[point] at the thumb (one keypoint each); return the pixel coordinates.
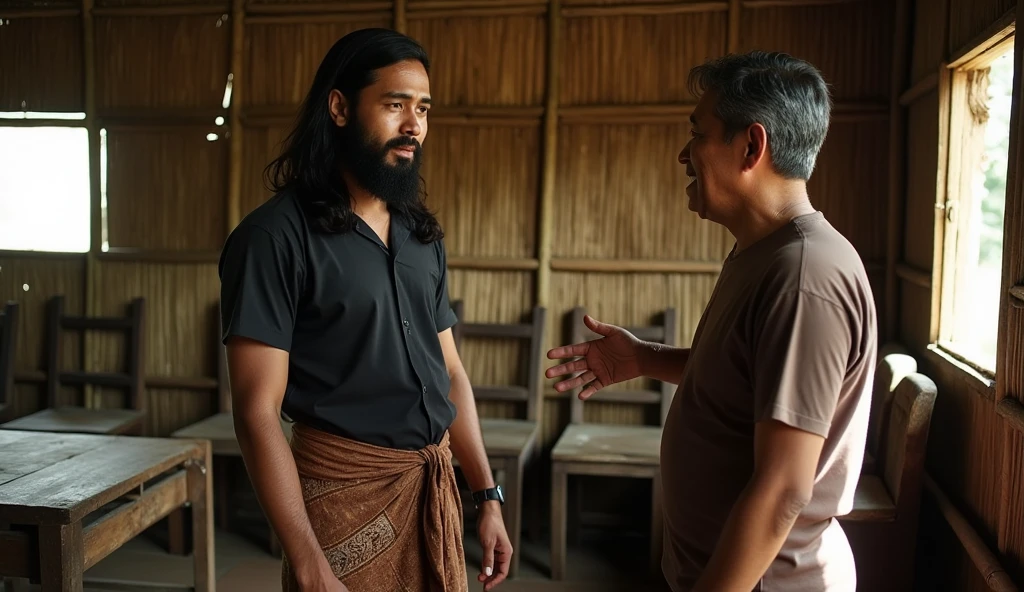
(597, 326)
(488, 557)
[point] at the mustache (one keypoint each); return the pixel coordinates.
(402, 141)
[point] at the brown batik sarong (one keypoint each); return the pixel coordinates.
(388, 520)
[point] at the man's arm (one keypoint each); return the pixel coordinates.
(258, 374)
(662, 362)
(785, 463)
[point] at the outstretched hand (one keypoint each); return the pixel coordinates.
(612, 358)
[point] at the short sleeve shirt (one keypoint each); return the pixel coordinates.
(360, 321)
(789, 334)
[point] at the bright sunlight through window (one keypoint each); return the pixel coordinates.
(44, 189)
(979, 244)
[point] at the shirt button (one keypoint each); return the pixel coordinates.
(424, 390)
(405, 322)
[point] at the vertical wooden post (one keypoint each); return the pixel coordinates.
(550, 150)
(897, 141)
(61, 557)
(235, 163)
(200, 494)
(401, 19)
(90, 306)
(733, 40)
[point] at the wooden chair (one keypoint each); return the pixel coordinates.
(219, 430)
(510, 443)
(893, 365)
(611, 450)
(882, 527)
(58, 417)
(8, 349)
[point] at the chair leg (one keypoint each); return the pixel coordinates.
(177, 542)
(514, 510)
(223, 485)
(657, 526)
(559, 501)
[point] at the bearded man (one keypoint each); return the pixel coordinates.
(335, 311)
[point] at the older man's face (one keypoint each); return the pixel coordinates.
(710, 162)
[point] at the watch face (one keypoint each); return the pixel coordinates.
(501, 494)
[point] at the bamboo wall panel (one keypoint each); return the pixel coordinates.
(180, 334)
(166, 61)
(182, 176)
(970, 18)
(621, 194)
(915, 316)
(281, 59)
(484, 60)
(1011, 540)
(922, 180)
(849, 183)
(636, 59)
(1014, 352)
(41, 62)
(262, 144)
(929, 47)
(487, 204)
(850, 43)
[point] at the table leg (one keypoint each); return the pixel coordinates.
(559, 500)
(200, 493)
(61, 557)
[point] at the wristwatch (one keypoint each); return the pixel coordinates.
(492, 494)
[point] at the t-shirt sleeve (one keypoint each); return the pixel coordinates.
(260, 287)
(801, 356)
(444, 315)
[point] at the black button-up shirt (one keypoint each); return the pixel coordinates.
(359, 319)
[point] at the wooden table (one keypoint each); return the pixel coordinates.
(69, 500)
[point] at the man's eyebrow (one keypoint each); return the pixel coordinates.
(404, 95)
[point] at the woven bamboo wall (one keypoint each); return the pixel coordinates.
(975, 453)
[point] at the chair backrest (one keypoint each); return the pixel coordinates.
(894, 365)
(902, 466)
(661, 333)
(132, 325)
(533, 331)
(8, 349)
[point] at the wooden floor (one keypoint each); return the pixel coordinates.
(599, 564)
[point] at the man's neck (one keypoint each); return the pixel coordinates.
(769, 210)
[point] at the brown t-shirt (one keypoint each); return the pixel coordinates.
(788, 334)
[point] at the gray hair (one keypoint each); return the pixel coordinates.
(786, 95)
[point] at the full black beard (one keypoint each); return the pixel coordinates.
(393, 184)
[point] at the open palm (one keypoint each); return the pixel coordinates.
(612, 358)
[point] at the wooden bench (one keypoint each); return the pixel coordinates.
(611, 450)
(69, 500)
(8, 348)
(74, 419)
(894, 363)
(882, 526)
(219, 430)
(510, 443)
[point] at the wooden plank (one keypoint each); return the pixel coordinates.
(635, 266)
(219, 429)
(897, 140)
(162, 10)
(133, 254)
(655, 9)
(96, 323)
(501, 393)
(871, 502)
(920, 89)
(639, 397)
(70, 489)
(17, 555)
(24, 454)
(200, 493)
(60, 557)
(235, 156)
(549, 151)
(111, 531)
(1012, 411)
(107, 379)
(918, 277)
(1001, 31)
(609, 444)
(77, 420)
(27, 13)
(497, 330)
(492, 263)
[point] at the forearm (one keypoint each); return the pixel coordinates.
(758, 525)
(663, 362)
(271, 467)
(466, 439)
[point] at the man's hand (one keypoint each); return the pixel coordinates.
(323, 580)
(615, 357)
(496, 546)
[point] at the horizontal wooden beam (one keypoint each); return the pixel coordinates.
(195, 383)
(914, 275)
(1012, 411)
(429, 5)
(164, 10)
(33, 122)
(1000, 31)
(317, 7)
(652, 9)
(793, 3)
(144, 117)
(634, 266)
(983, 558)
(26, 13)
(492, 263)
(316, 17)
(107, 534)
(42, 255)
(490, 10)
(159, 256)
(920, 89)
(679, 112)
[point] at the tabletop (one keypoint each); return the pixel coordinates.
(55, 478)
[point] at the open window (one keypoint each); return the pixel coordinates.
(972, 246)
(44, 182)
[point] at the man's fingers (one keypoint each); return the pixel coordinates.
(487, 567)
(567, 368)
(572, 383)
(568, 351)
(504, 557)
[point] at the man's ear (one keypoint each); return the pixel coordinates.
(338, 107)
(756, 145)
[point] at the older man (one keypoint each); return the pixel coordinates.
(763, 444)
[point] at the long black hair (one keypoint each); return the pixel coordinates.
(309, 163)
